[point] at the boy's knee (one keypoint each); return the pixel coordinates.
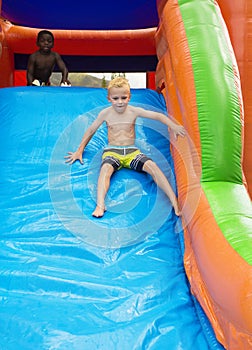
(107, 169)
(149, 165)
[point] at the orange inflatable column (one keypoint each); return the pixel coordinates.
(6, 59)
(150, 80)
(6, 68)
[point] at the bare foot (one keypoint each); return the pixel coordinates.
(176, 208)
(177, 212)
(98, 212)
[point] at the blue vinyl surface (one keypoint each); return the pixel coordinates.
(69, 281)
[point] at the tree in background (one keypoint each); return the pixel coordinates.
(103, 82)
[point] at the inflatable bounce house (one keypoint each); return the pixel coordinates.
(139, 277)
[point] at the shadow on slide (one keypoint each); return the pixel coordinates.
(70, 281)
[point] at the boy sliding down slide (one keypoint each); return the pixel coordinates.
(121, 151)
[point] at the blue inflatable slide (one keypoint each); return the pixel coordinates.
(73, 282)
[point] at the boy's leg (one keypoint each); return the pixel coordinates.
(158, 176)
(102, 188)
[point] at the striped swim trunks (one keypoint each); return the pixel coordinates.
(124, 157)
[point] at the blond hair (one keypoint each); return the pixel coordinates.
(119, 82)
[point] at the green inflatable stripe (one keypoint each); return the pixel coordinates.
(231, 206)
(216, 92)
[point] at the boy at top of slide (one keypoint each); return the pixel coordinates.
(42, 62)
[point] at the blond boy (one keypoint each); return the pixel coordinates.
(121, 151)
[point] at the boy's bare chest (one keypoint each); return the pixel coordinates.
(45, 61)
(121, 123)
(122, 126)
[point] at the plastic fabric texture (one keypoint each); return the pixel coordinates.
(70, 281)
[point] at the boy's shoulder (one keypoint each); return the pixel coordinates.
(54, 53)
(33, 56)
(105, 111)
(133, 109)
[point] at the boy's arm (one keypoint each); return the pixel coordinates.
(62, 68)
(178, 130)
(30, 70)
(77, 155)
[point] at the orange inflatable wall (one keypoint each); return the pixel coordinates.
(213, 266)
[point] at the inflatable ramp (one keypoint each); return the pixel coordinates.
(70, 281)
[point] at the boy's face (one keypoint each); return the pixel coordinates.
(119, 97)
(45, 43)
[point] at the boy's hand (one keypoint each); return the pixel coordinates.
(65, 82)
(178, 130)
(73, 156)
